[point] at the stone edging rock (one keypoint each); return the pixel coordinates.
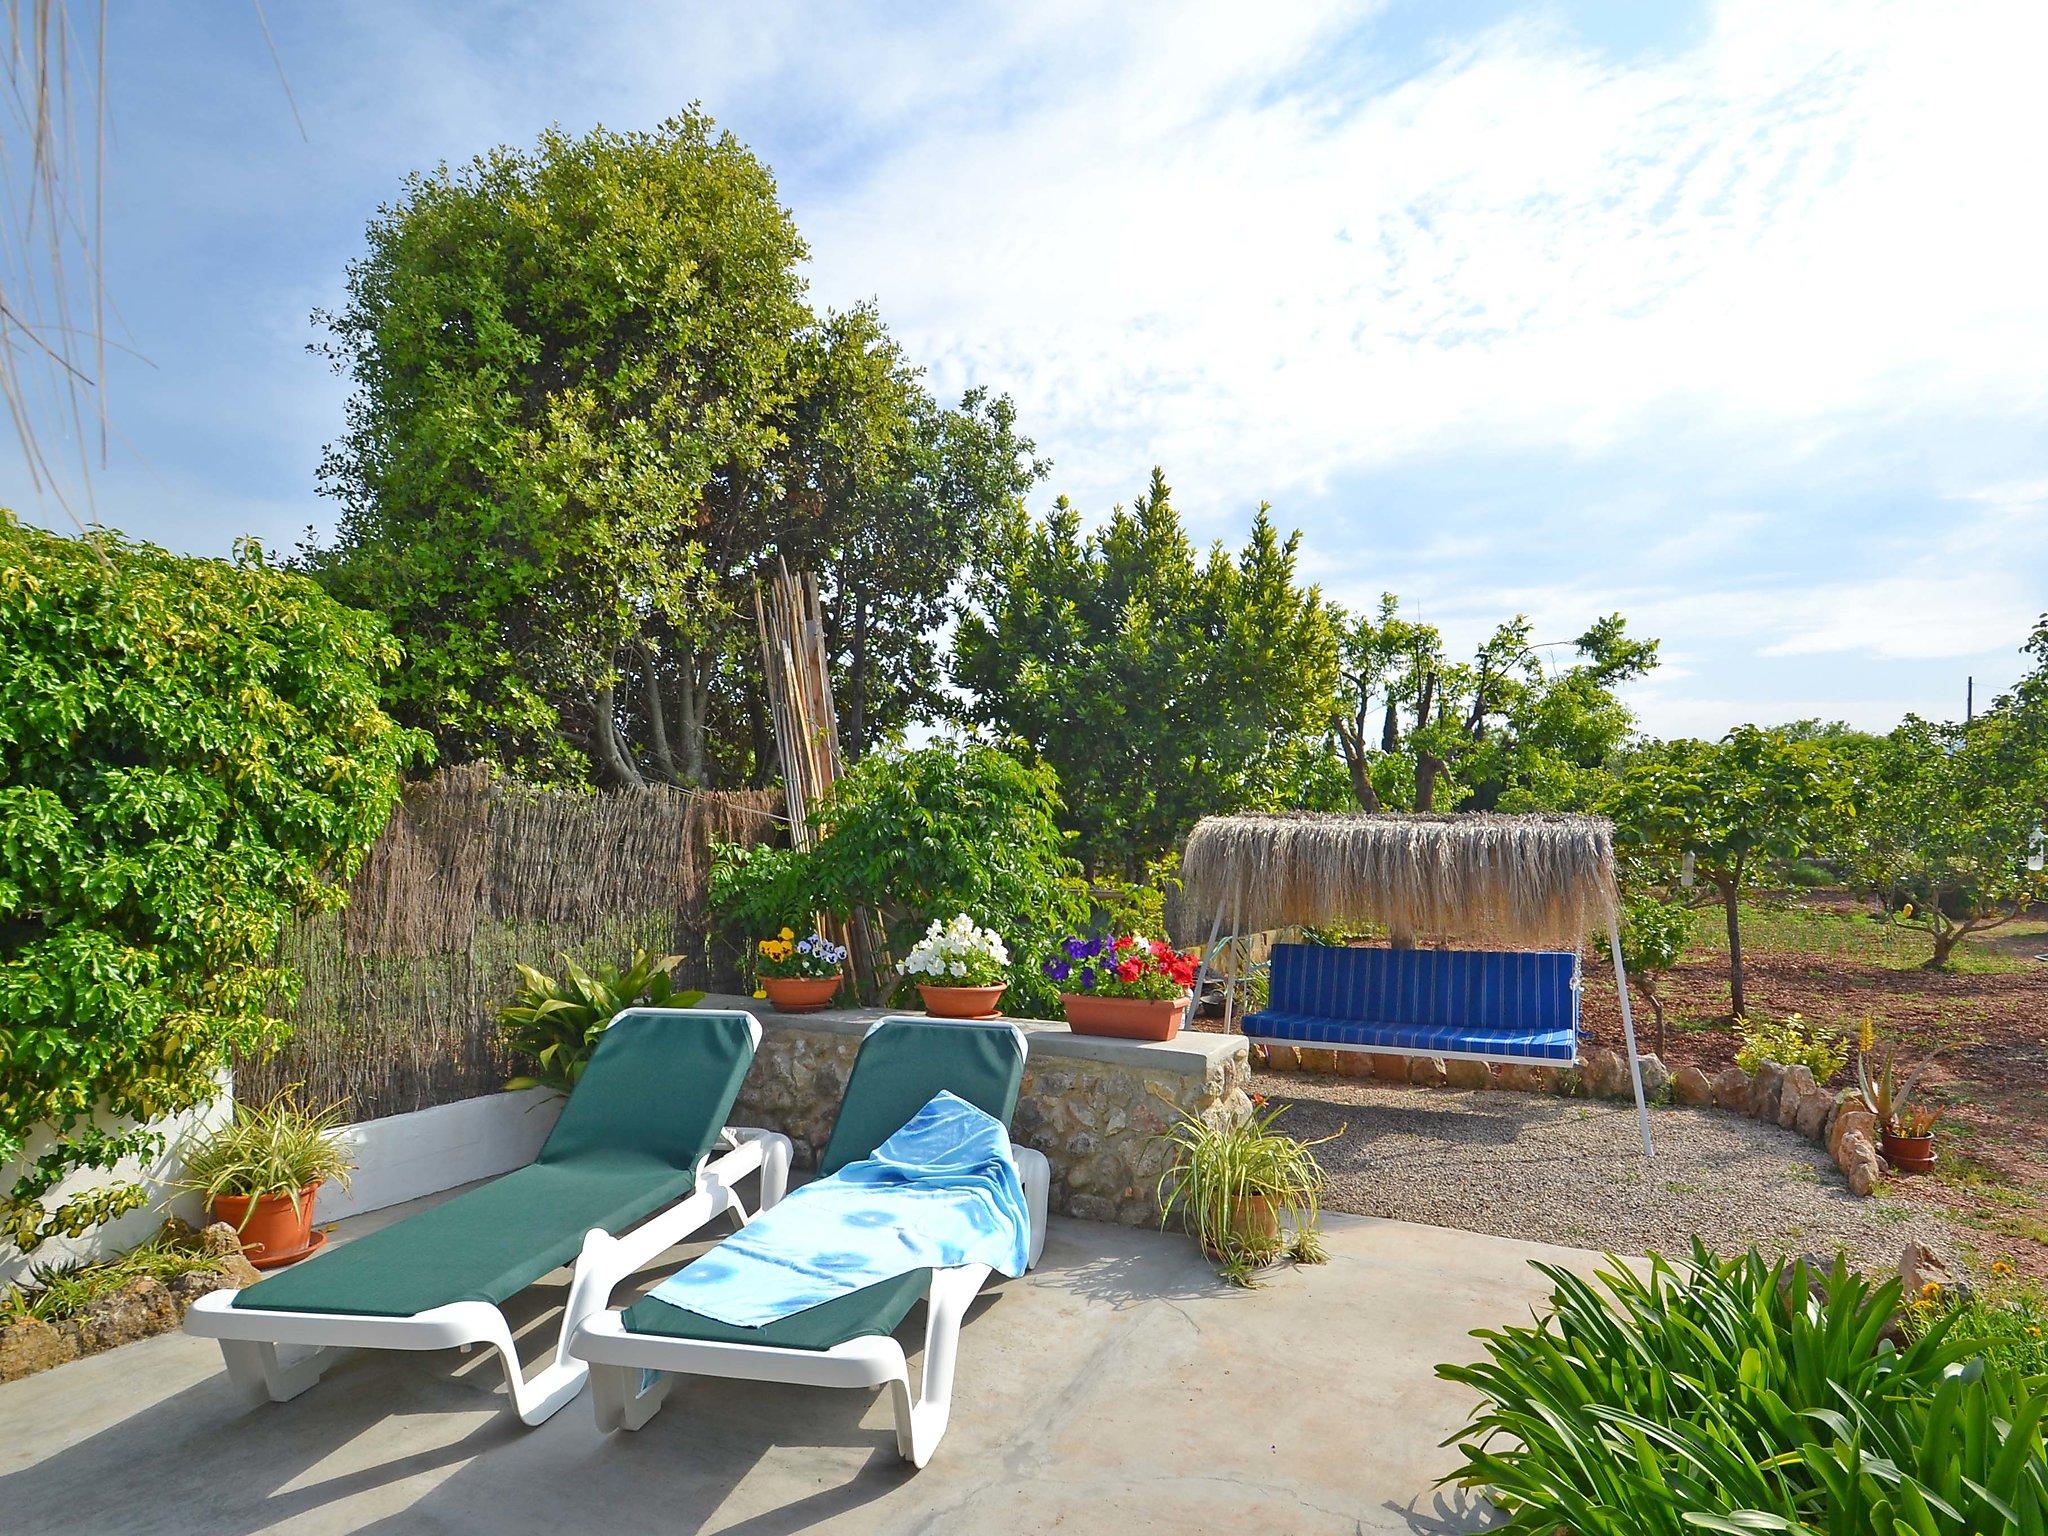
(145, 1305)
(1786, 1096)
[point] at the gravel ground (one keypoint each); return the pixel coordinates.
(1571, 1171)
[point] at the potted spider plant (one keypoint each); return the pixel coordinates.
(1906, 1130)
(1250, 1194)
(261, 1172)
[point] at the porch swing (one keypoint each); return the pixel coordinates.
(1531, 886)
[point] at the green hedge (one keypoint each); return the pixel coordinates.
(191, 752)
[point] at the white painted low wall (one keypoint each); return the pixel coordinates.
(402, 1157)
(157, 1175)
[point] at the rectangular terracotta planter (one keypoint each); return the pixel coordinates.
(1125, 1018)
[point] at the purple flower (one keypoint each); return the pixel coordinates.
(1087, 978)
(1059, 970)
(1075, 949)
(1094, 946)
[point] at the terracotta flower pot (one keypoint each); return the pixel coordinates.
(1255, 1223)
(273, 1233)
(1909, 1154)
(1127, 1018)
(961, 1002)
(800, 994)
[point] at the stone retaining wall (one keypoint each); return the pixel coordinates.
(1095, 1107)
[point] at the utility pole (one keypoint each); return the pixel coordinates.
(1969, 699)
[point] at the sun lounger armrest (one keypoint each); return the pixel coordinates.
(1036, 1175)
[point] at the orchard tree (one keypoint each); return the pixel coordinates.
(1732, 807)
(1952, 813)
(1421, 732)
(1654, 931)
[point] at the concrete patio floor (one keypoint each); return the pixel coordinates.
(1120, 1388)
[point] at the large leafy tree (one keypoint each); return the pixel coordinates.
(1421, 731)
(591, 405)
(1159, 683)
(888, 495)
(555, 353)
(1732, 807)
(879, 493)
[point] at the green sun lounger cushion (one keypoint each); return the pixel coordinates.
(874, 1309)
(900, 1067)
(897, 1072)
(647, 1109)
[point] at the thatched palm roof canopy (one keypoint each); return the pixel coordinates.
(1539, 880)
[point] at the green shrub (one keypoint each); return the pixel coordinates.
(55, 1292)
(1134, 906)
(1792, 1042)
(952, 827)
(191, 752)
(1738, 1395)
(555, 1022)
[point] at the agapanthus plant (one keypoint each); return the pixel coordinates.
(958, 954)
(788, 955)
(1124, 965)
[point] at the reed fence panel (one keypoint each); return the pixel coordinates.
(401, 987)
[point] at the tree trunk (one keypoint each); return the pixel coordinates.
(691, 726)
(1361, 782)
(1945, 941)
(657, 721)
(1729, 888)
(1427, 764)
(1351, 738)
(605, 733)
(1648, 988)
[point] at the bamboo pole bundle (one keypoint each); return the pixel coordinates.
(790, 618)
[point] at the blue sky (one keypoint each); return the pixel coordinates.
(1727, 316)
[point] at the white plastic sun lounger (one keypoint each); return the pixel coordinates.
(638, 1161)
(849, 1341)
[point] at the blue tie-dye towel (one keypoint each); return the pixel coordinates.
(942, 1191)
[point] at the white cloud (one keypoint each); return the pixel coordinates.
(1178, 243)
